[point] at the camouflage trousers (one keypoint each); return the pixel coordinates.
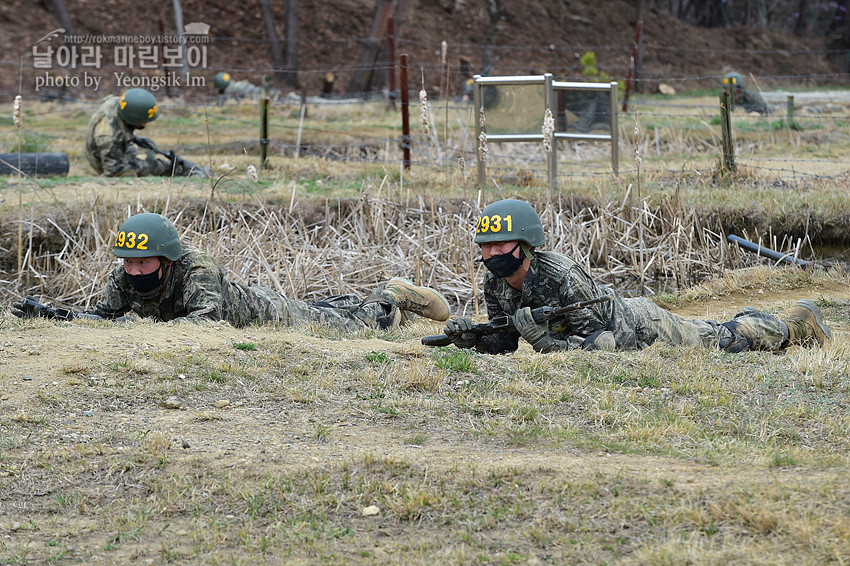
(762, 331)
(341, 312)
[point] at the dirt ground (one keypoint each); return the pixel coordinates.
(45, 367)
(40, 356)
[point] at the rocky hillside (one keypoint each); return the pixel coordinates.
(533, 36)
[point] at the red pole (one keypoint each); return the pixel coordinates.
(405, 114)
(632, 60)
(391, 58)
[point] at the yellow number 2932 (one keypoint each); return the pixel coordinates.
(131, 240)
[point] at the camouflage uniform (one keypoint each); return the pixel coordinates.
(111, 147)
(592, 108)
(243, 90)
(556, 280)
(750, 101)
(197, 290)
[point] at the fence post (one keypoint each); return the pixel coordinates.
(789, 112)
(728, 161)
(264, 122)
(632, 64)
(405, 111)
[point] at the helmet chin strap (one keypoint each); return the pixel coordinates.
(526, 250)
(166, 269)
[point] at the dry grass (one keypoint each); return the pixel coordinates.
(281, 438)
(659, 456)
(321, 224)
(311, 248)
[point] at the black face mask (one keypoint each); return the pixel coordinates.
(145, 283)
(504, 265)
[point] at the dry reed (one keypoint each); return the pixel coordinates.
(251, 173)
(423, 110)
(314, 249)
(548, 130)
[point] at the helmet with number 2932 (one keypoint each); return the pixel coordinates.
(148, 235)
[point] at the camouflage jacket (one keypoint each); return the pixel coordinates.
(556, 280)
(111, 149)
(196, 290)
(751, 101)
(244, 90)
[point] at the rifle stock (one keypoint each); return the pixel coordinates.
(504, 323)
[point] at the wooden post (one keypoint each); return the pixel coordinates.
(728, 160)
(264, 122)
(405, 111)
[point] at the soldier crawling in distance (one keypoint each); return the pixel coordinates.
(749, 101)
(114, 150)
(228, 89)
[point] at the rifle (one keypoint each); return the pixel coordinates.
(506, 322)
(185, 165)
(30, 308)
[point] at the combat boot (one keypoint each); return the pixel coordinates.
(805, 325)
(423, 301)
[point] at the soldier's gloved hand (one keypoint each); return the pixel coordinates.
(171, 156)
(460, 331)
(600, 340)
(177, 162)
(535, 333)
(732, 341)
(144, 142)
(30, 308)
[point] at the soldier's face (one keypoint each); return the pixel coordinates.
(490, 249)
(141, 265)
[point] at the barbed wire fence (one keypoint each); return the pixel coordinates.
(688, 130)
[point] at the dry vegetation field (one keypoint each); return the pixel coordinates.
(185, 444)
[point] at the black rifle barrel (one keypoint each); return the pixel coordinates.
(766, 252)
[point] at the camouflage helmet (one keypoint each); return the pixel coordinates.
(221, 80)
(137, 106)
(507, 220)
(148, 235)
(733, 79)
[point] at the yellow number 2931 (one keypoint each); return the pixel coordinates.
(494, 224)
